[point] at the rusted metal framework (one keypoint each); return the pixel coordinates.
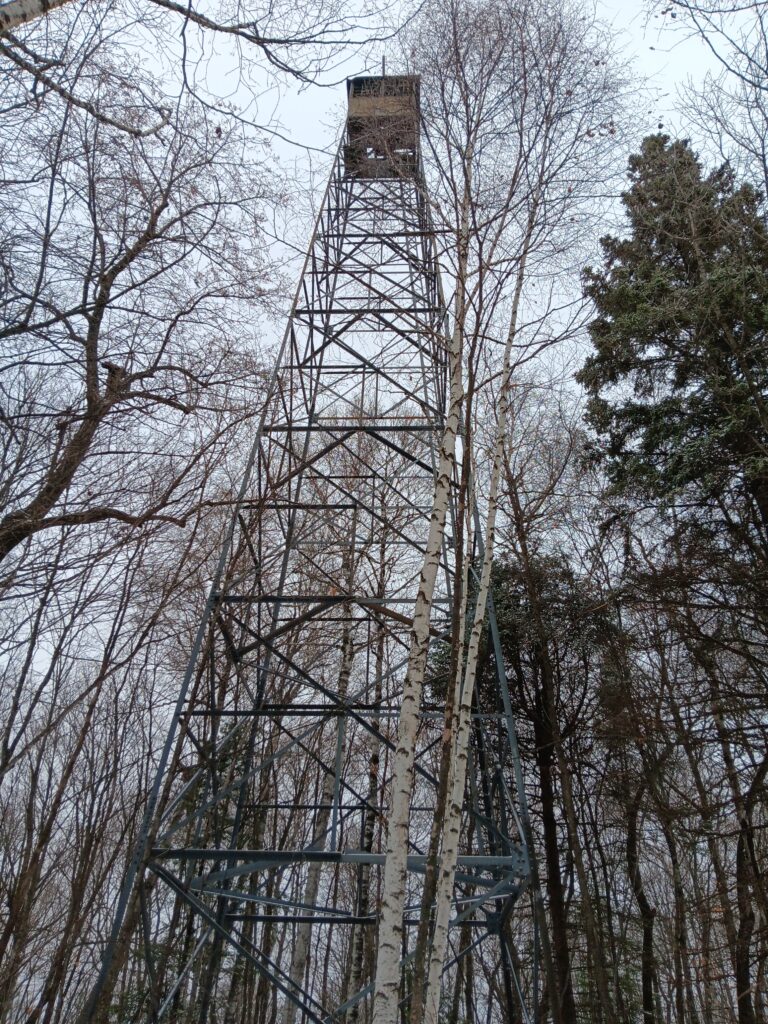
(259, 865)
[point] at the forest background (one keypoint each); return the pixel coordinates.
(151, 219)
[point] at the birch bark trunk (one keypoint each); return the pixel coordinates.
(19, 12)
(424, 936)
(387, 977)
(460, 754)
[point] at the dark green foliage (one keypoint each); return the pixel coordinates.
(678, 382)
(574, 616)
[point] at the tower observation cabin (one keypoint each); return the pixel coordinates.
(382, 127)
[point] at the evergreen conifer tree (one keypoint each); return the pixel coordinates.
(678, 381)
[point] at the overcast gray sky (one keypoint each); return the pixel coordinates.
(661, 54)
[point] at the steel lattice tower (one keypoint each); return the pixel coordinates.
(258, 871)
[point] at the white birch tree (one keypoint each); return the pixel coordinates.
(521, 101)
(387, 978)
(451, 831)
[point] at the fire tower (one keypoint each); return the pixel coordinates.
(257, 877)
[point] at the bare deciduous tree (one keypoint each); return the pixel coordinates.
(132, 271)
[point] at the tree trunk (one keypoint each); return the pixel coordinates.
(647, 912)
(19, 12)
(453, 684)
(387, 979)
(459, 750)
